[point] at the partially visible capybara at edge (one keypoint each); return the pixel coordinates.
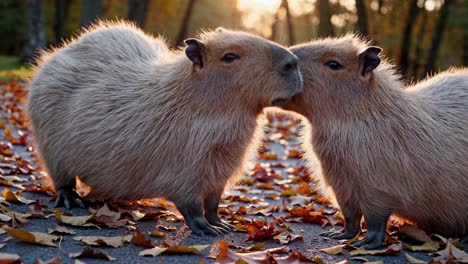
(135, 120)
(382, 147)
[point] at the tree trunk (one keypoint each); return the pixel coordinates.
(137, 10)
(285, 5)
(35, 30)
(406, 40)
(61, 18)
(325, 25)
(362, 18)
(185, 23)
(437, 38)
(418, 49)
(91, 10)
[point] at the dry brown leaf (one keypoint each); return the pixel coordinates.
(394, 249)
(90, 252)
(56, 260)
(36, 210)
(412, 232)
(15, 198)
(334, 250)
(430, 246)
(139, 239)
(116, 241)
(285, 239)
(155, 251)
(413, 260)
(7, 258)
(32, 237)
(184, 249)
(61, 230)
(156, 234)
(74, 220)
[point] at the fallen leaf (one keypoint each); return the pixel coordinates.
(242, 249)
(155, 251)
(394, 249)
(105, 216)
(285, 239)
(14, 198)
(61, 230)
(36, 210)
(156, 233)
(90, 252)
(414, 260)
(260, 230)
(139, 239)
(430, 246)
(184, 249)
(7, 258)
(32, 237)
(334, 250)
(74, 220)
(116, 241)
(412, 232)
(56, 260)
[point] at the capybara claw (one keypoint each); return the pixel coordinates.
(68, 198)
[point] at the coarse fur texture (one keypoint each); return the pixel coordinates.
(382, 147)
(135, 120)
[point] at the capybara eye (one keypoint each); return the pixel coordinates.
(334, 65)
(230, 57)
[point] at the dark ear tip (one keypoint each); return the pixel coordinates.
(375, 49)
(190, 41)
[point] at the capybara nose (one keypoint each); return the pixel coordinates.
(289, 64)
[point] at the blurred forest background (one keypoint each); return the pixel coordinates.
(421, 36)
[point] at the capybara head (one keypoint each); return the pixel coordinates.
(337, 73)
(237, 68)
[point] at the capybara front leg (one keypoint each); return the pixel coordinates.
(211, 204)
(376, 226)
(68, 197)
(352, 224)
(193, 215)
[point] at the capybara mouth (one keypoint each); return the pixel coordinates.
(280, 101)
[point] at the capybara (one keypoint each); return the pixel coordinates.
(382, 147)
(134, 119)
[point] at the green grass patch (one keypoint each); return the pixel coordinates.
(11, 69)
(10, 63)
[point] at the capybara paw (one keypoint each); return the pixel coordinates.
(201, 227)
(369, 243)
(227, 228)
(68, 198)
(338, 234)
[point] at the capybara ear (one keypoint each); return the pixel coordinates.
(369, 60)
(194, 51)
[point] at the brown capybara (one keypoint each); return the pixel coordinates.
(382, 147)
(135, 120)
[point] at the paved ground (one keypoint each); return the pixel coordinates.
(309, 247)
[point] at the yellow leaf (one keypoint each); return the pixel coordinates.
(117, 241)
(156, 251)
(333, 250)
(32, 237)
(156, 234)
(9, 258)
(430, 246)
(11, 197)
(183, 249)
(414, 260)
(73, 220)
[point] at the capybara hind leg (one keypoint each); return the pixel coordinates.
(376, 226)
(68, 197)
(465, 239)
(193, 215)
(352, 224)
(211, 204)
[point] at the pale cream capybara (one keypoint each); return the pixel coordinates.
(135, 120)
(382, 147)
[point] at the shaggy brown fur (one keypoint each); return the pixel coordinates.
(382, 148)
(136, 120)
